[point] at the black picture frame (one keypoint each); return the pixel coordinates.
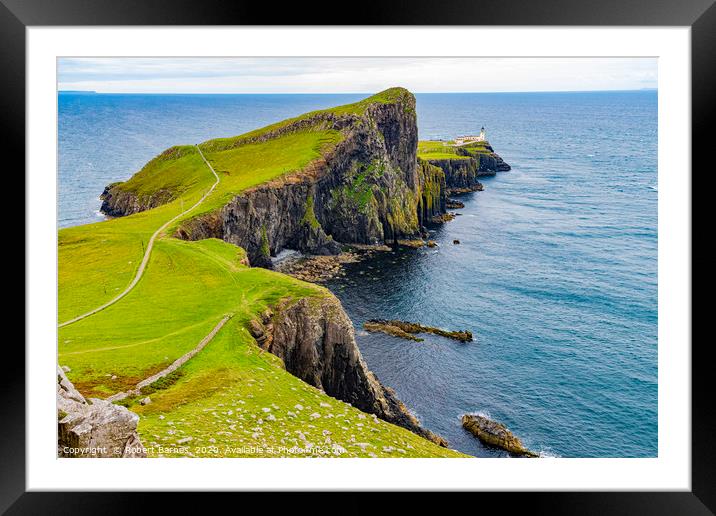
(700, 15)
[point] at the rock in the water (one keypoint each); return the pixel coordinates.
(407, 330)
(456, 241)
(390, 329)
(453, 204)
(95, 427)
(495, 434)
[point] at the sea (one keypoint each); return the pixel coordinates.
(555, 273)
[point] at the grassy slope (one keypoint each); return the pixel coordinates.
(97, 261)
(357, 108)
(187, 288)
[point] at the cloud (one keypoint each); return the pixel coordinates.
(354, 75)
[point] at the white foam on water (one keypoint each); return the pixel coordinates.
(285, 255)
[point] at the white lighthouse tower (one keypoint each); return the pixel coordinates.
(482, 136)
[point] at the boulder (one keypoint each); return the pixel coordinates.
(94, 427)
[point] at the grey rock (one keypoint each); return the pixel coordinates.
(316, 342)
(95, 427)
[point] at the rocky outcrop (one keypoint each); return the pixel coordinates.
(368, 188)
(408, 330)
(117, 202)
(94, 427)
(462, 173)
(489, 162)
(495, 434)
(364, 190)
(315, 339)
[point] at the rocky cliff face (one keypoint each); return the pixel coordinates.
(432, 202)
(95, 427)
(315, 340)
(117, 202)
(365, 190)
(461, 174)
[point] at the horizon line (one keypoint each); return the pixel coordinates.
(339, 92)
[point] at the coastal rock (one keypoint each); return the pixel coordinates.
(95, 427)
(412, 243)
(495, 434)
(407, 330)
(369, 188)
(390, 329)
(453, 204)
(462, 173)
(316, 341)
(117, 202)
(317, 269)
(432, 201)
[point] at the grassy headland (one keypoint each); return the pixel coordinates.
(232, 395)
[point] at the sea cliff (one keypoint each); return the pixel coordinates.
(362, 182)
(316, 341)
(366, 188)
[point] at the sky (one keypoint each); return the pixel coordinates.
(353, 75)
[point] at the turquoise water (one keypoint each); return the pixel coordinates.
(555, 274)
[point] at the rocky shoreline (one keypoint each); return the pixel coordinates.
(367, 192)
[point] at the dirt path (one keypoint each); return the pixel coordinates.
(148, 252)
(174, 365)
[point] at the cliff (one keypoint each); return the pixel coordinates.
(365, 187)
(463, 165)
(159, 182)
(316, 341)
(362, 190)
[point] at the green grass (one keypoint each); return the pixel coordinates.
(233, 397)
(217, 397)
(251, 164)
(168, 312)
(176, 170)
(97, 261)
(431, 150)
(476, 148)
(435, 149)
(167, 315)
(357, 108)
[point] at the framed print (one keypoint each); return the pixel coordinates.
(434, 250)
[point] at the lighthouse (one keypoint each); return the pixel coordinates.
(482, 134)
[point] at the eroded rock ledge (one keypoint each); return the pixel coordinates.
(316, 341)
(95, 427)
(408, 330)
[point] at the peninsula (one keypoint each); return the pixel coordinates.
(170, 309)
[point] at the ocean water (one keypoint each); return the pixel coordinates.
(555, 275)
